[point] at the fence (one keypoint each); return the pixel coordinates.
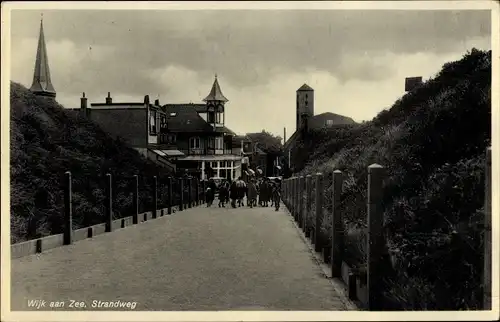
(304, 197)
(168, 194)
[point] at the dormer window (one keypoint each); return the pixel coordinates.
(329, 122)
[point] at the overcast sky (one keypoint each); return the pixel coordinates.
(356, 61)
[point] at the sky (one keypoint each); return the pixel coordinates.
(356, 60)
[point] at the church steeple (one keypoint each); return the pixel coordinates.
(42, 84)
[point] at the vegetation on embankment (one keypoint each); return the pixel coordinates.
(432, 142)
(47, 140)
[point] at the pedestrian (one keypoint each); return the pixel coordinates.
(252, 194)
(241, 187)
(209, 193)
(223, 193)
(233, 193)
(277, 194)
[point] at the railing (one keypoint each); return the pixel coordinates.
(171, 193)
(366, 285)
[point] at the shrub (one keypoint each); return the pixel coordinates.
(432, 142)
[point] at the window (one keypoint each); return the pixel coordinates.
(211, 117)
(152, 122)
(223, 173)
(219, 143)
(172, 138)
(329, 122)
(215, 165)
(163, 123)
(194, 143)
(306, 103)
(211, 143)
(173, 114)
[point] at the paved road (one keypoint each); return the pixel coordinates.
(198, 259)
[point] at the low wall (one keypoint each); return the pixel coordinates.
(39, 245)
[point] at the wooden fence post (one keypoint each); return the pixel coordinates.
(190, 192)
(285, 194)
(203, 193)
(155, 196)
(337, 225)
(170, 195)
(296, 198)
(375, 240)
(300, 215)
(109, 203)
(308, 203)
(319, 212)
(196, 192)
(288, 192)
(68, 210)
(293, 197)
(135, 200)
(487, 234)
(181, 203)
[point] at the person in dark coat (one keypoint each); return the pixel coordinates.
(265, 192)
(223, 193)
(233, 193)
(210, 192)
(251, 194)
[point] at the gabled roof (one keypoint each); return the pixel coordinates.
(184, 118)
(305, 87)
(337, 118)
(215, 93)
(223, 129)
(199, 107)
(42, 84)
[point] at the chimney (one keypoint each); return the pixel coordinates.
(146, 100)
(83, 102)
(157, 102)
(109, 100)
(284, 135)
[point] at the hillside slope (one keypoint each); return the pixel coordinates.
(432, 142)
(45, 141)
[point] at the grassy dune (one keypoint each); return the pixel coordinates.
(46, 141)
(432, 142)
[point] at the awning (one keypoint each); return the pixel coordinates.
(173, 153)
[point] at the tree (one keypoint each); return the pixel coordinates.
(267, 142)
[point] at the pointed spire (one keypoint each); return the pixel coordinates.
(215, 93)
(42, 84)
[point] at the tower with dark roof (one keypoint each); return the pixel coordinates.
(305, 106)
(215, 105)
(42, 84)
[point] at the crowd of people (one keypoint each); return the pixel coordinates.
(261, 191)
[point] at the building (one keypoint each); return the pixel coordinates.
(141, 125)
(306, 120)
(183, 138)
(199, 131)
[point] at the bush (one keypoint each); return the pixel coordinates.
(48, 140)
(432, 142)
